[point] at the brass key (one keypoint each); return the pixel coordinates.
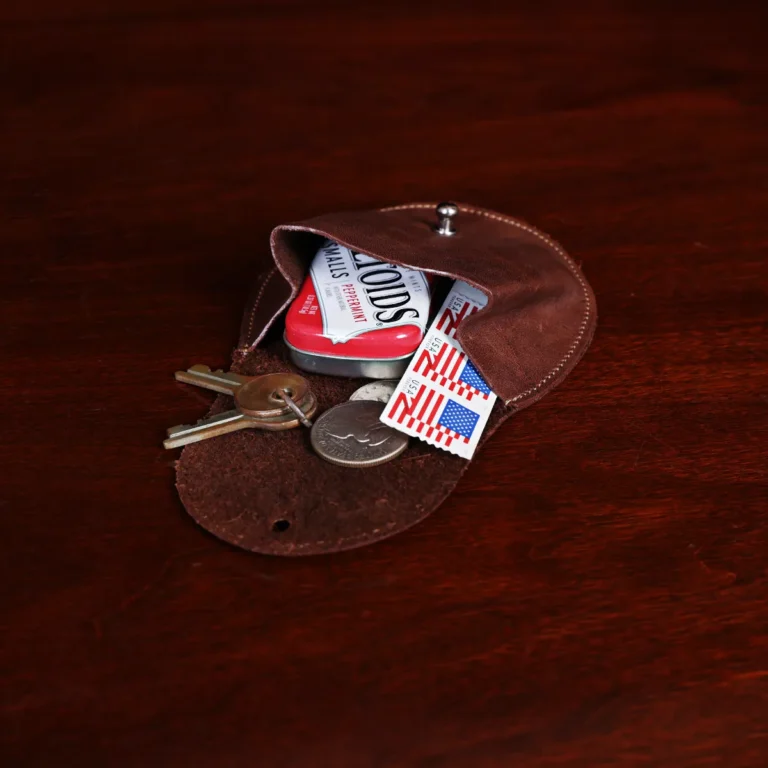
(275, 401)
(218, 381)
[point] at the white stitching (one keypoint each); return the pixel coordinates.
(568, 263)
(512, 222)
(255, 306)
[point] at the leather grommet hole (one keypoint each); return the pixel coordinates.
(280, 526)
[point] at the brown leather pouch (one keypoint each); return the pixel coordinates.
(269, 492)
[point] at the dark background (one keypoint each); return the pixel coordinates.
(593, 593)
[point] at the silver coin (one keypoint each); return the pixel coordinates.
(380, 391)
(351, 435)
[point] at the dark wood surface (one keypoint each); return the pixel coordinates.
(595, 591)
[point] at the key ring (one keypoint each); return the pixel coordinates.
(283, 395)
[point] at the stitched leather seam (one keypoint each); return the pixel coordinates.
(571, 351)
(255, 307)
(566, 260)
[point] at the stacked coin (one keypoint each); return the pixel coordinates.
(351, 434)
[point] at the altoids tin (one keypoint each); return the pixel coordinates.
(357, 316)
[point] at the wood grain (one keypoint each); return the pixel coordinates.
(595, 591)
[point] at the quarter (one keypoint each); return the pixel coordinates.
(351, 435)
(380, 391)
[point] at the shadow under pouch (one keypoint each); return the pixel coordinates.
(496, 316)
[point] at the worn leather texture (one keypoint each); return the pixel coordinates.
(269, 492)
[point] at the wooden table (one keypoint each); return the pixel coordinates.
(594, 593)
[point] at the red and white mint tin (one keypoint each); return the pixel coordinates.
(357, 316)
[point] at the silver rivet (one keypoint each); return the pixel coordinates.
(445, 214)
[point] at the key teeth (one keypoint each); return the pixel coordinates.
(171, 443)
(181, 427)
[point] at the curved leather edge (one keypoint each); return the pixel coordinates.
(269, 294)
(541, 314)
(269, 492)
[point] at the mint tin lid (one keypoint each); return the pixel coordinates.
(352, 305)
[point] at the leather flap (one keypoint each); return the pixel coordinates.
(541, 312)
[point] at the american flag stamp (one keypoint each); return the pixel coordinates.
(442, 398)
(443, 361)
(428, 412)
(463, 301)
